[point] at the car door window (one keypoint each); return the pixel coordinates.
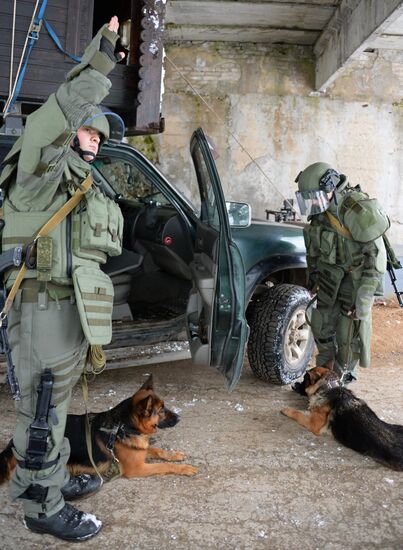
(209, 211)
(128, 181)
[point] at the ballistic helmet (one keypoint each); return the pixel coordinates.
(109, 124)
(314, 183)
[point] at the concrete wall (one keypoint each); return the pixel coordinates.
(264, 97)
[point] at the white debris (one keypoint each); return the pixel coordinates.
(239, 407)
(91, 517)
(389, 480)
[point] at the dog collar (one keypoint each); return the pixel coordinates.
(119, 431)
(331, 384)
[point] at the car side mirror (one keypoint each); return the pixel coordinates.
(239, 214)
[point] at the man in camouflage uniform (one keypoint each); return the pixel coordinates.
(43, 169)
(346, 259)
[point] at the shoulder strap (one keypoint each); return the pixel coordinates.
(45, 230)
(338, 226)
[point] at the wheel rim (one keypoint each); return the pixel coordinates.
(296, 338)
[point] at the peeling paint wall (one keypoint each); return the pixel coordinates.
(269, 124)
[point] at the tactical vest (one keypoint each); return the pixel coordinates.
(340, 248)
(72, 253)
(91, 232)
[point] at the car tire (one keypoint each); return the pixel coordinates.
(281, 343)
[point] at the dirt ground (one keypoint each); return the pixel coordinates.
(263, 482)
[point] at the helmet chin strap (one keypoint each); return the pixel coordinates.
(81, 152)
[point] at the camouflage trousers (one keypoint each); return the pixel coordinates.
(337, 336)
(44, 334)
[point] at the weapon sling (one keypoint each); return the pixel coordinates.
(58, 217)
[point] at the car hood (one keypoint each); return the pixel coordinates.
(263, 239)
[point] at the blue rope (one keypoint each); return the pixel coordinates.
(34, 35)
(56, 40)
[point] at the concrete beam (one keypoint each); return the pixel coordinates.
(248, 13)
(213, 33)
(354, 27)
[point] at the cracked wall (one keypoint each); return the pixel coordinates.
(258, 105)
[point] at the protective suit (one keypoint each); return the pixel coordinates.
(65, 302)
(346, 259)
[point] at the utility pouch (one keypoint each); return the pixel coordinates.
(97, 228)
(328, 246)
(115, 229)
(44, 257)
(329, 282)
(312, 234)
(94, 296)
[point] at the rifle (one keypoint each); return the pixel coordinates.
(11, 258)
(393, 263)
(393, 279)
(6, 350)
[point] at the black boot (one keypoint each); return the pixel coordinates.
(67, 524)
(81, 486)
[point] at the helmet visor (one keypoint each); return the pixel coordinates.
(312, 202)
(109, 124)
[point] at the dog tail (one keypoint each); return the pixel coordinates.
(7, 463)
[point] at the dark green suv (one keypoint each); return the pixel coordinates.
(198, 278)
(190, 282)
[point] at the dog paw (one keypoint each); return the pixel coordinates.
(188, 470)
(177, 456)
(287, 411)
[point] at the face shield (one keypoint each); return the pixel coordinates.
(312, 202)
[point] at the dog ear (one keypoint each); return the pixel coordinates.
(148, 384)
(314, 375)
(146, 405)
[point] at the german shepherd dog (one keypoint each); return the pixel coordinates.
(350, 419)
(121, 436)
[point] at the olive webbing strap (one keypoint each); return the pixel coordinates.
(342, 230)
(338, 226)
(53, 222)
(88, 440)
(350, 334)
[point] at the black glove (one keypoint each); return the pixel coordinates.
(108, 49)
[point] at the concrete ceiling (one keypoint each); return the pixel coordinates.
(338, 31)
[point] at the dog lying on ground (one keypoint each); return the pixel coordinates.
(350, 419)
(119, 437)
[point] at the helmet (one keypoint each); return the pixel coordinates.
(314, 183)
(109, 124)
(101, 125)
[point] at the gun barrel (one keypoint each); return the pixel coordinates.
(393, 280)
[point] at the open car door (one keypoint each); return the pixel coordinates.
(216, 322)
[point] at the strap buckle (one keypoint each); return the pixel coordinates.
(35, 30)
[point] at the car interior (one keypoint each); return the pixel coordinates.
(152, 278)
